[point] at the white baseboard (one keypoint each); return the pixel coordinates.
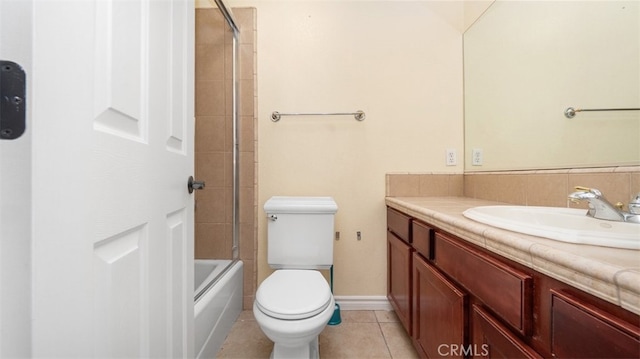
(357, 302)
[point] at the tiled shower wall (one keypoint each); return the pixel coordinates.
(530, 188)
(214, 140)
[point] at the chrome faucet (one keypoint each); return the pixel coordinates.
(634, 205)
(600, 208)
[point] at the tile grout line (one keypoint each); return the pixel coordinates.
(386, 344)
(384, 337)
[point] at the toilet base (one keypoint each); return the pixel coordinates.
(311, 351)
(294, 338)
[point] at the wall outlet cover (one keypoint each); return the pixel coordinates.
(476, 157)
(451, 159)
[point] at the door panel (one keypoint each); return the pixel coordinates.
(15, 195)
(439, 308)
(120, 84)
(181, 249)
(118, 274)
(113, 149)
(399, 278)
(581, 330)
(491, 339)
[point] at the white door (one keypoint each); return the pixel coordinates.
(15, 198)
(112, 110)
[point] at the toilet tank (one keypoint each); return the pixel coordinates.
(300, 232)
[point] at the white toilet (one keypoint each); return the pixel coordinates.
(294, 304)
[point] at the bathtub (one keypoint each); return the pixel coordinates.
(217, 304)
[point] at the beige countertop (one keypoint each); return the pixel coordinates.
(609, 273)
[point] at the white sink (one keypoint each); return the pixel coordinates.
(560, 224)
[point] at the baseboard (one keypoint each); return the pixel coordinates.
(374, 302)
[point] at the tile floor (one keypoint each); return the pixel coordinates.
(362, 334)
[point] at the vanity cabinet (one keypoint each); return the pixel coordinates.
(399, 255)
(458, 300)
(439, 309)
(492, 339)
(580, 330)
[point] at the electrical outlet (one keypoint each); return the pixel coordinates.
(452, 159)
(476, 157)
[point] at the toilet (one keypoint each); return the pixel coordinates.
(295, 303)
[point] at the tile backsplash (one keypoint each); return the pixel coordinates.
(531, 188)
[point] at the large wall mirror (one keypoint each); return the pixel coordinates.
(526, 62)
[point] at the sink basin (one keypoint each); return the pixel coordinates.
(560, 224)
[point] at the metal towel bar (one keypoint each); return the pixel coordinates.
(571, 112)
(358, 115)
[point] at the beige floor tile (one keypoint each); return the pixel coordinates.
(398, 342)
(246, 315)
(386, 316)
(245, 341)
(353, 340)
(357, 316)
(362, 334)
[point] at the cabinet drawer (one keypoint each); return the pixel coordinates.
(493, 340)
(507, 291)
(580, 330)
(421, 236)
(399, 224)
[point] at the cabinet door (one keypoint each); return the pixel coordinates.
(438, 313)
(491, 339)
(580, 330)
(399, 278)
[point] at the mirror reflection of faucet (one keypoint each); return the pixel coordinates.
(634, 205)
(601, 208)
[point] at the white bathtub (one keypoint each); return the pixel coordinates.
(218, 307)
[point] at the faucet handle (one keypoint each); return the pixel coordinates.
(634, 205)
(595, 191)
(577, 197)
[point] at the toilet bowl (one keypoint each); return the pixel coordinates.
(292, 307)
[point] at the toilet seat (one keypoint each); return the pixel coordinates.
(293, 294)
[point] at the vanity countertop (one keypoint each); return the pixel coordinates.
(609, 273)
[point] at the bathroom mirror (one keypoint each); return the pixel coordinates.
(526, 62)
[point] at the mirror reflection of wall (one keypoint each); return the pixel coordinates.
(525, 62)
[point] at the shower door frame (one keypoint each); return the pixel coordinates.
(235, 221)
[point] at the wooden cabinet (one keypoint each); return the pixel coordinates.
(504, 289)
(491, 339)
(580, 330)
(399, 279)
(458, 300)
(399, 254)
(439, 309)
(422, 239)
(399, 224)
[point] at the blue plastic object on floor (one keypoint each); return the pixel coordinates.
(335, 318)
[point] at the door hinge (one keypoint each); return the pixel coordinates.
(12, 100)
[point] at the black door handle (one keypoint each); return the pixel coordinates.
(193, 185)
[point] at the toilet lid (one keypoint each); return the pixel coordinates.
(293, 294)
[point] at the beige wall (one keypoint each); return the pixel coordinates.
(526, 62)
(401, 63)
